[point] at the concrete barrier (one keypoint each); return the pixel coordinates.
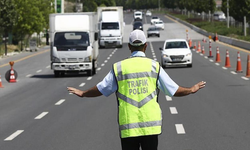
(224, 39)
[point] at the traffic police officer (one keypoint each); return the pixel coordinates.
(137, 81)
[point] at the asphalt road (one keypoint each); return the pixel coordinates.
(38, 113)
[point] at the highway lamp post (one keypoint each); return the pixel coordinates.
(227, 14)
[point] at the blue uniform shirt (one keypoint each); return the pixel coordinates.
(109, 85)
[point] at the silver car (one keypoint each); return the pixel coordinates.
(153, 31)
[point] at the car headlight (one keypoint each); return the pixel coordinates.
(189, 54)
(164, 56)
(87, 59)
(55, 59)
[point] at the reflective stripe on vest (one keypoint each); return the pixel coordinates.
(140, 125)
(139, 112)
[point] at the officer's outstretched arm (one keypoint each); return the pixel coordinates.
(182, 91)
(92, 92)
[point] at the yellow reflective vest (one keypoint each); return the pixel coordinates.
(139, 111)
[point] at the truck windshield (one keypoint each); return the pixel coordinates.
(73, 40)
(110, 26)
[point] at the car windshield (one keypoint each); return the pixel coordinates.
(110, 26)
(154, 17)
(177, 44)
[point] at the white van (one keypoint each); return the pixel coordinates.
(220, 16)
(138, 15)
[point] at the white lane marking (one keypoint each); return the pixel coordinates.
(60, 102)
(245, 78)
(217, 64)
(225, 68)
(89, 78)
(211, 60)
(29, 75)
(105, 61)
(41, 115)
(82, 84)
(98, 69)
(38, 71)
(110, 55)
(155, 59)
(201, 54)
(205, 57)
(48, 66)
(180, 129)
(14, 135)
(108, 58)
(70, 93)
(102, 64)
(173, 110)
(233, 72)
(168, 98)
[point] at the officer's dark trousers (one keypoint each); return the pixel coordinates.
(145, 142)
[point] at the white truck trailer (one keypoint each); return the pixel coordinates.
(73, 42)
(111, 26)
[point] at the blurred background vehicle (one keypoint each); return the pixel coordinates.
(148, 13)
(220, 16)
(176, 52)
(154, 19)
(138, 25)
(159, 24)
(138, 15)
(153, 31)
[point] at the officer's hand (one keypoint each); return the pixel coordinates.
(75, 91)
(198, 86)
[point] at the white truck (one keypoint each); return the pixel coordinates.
(111, 26)
(73, 42)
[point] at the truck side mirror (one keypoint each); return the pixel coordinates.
(160, 48)
(96, 36)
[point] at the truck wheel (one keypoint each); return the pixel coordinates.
(56, 73)
(93, 68)
(89, 73)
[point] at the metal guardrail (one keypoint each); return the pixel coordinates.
(224, 39)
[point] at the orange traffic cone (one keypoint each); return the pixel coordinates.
(12, 73)
(195, 46)
(227, 63)
(239, 68)
(248, 66)
(1, 86)
(216, 37)
(218, 55)
(199, 47)
(190, 43)
(210, 50)
(203, 50)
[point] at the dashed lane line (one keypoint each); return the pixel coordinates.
(82, 84)
(60, 102)
(173, 110)
(41, 115)
(168, 98)
(14, 135)
(180, 129)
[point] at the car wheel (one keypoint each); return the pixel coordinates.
(189, 65)
(162, 64)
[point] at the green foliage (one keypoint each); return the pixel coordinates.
(7, 16)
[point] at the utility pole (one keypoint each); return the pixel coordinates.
(227, 14)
